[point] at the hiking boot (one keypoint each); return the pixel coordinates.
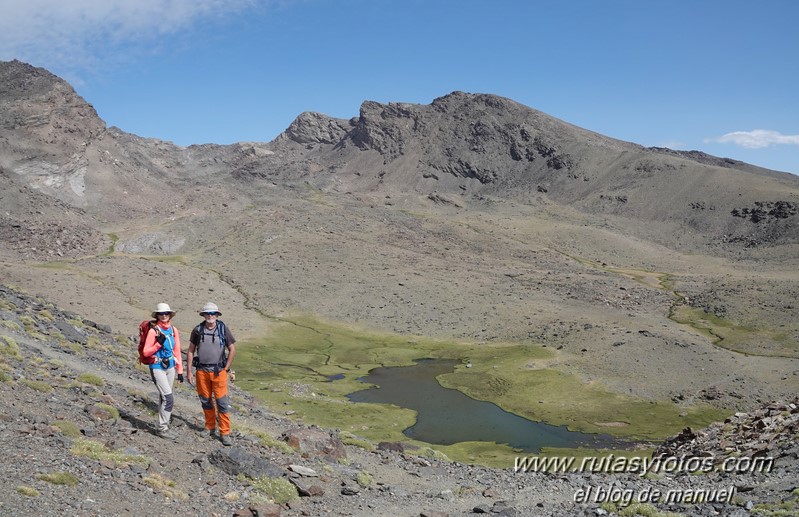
(226, 441)
(168, 434)
(211, 433)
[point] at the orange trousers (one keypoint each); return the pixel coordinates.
(213, 388)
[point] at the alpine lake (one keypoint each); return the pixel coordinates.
(480, 403)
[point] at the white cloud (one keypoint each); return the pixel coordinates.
(756, 139)
(76, 33)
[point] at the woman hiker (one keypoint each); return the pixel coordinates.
(214, 347)
(162, 346)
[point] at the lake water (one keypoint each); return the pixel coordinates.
(447, 416)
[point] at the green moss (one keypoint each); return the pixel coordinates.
(364, 479)
(59, 478)
(280, 490)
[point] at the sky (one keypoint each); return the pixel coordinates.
(718, 76)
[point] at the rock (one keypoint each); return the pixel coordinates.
(315, 442)
(303, 471)
(391, 446)
(306, 490)
(236, 460)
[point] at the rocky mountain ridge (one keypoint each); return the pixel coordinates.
(464, 145)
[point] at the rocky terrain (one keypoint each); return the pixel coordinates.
(652, 273)
(78, 439)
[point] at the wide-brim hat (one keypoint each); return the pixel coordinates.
(209, 307)
(163, 307)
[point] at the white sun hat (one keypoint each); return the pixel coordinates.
(163, 307)
(209, 307)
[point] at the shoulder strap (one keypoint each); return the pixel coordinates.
(220, 325)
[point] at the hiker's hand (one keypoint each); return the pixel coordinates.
(180, 378)
(161, 338)
(190, 379)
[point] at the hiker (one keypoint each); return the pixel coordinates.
(162, 348)
(214, 347)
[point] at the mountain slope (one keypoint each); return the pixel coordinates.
(471, 218)
(463, 145)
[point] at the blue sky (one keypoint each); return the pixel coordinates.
(719, 76)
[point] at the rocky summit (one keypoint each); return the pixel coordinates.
(660, 282)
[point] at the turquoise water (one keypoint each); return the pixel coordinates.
(447, 416)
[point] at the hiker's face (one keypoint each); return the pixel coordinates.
(164, 316)
(210, 317)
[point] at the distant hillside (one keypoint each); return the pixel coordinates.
(461, 148)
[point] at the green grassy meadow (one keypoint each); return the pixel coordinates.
(290, 371)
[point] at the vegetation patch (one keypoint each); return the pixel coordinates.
(46, 315)
(266, 439)
(364, 479)
(9, 348)
(311, 366)
(114, 238)
(59, 478)
(647, 510)
(111, 410)
(786, 508)
(68, 428)
(39, 386)
(732, 336)
(11, 325)
(347, 438)
(562, 399)
(280, 490)
(165, 486)
(90, 378)
(27, 491)
(98, 451)
(28, 323)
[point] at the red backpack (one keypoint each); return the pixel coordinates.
(144, 328)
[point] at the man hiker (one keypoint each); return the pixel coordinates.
(214, 347)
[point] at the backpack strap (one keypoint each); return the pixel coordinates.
(220, 331)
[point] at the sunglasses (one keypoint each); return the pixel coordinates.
(163, 313)
(210, 314)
